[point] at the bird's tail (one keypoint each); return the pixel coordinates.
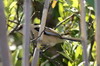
(70, 38)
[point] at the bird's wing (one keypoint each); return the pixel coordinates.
(48, 31)
(51, 32)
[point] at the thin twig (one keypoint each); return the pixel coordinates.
(64, 20)
(16, 27)
(10, 26)
(12, 21)
(35, 39)
(18, 20)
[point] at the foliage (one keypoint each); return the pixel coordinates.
(71, 52)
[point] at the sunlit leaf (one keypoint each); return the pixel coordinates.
(37, 21)
(60, 19)
(54, 3)
(93, 16)
(20, 53)
(70, 64)
(90, 8)
(11, 26)
(94, 25)
(61, 9)
(78, 51)
(13, 4)
(15, 56)
(94, 51)
(95, 63)
(75, 3)
(65, 55)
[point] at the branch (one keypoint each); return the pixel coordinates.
(97, 4)
(43, 22)
(26, 32)
(4, 48)
(64, 20)
(83, 31)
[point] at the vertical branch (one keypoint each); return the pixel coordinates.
(43, 22)
(83, 31)
(97, 3)
(44, 16)
(4, 49)
(26, 32)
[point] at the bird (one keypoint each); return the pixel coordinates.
(50, 36)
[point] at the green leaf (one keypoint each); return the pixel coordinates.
(78, 51)
(13, 4)
(94, 25)
(60, 29)
(19, 63)
(14, 56)
(60, 19)
(70, 64)
(90, 3)
(75, 3)
(36, 20)
(75, 33)
(17, 54)
(61, 9)
(94, 51)
(65, 55)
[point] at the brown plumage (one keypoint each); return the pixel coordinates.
(50, 37)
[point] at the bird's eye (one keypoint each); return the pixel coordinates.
(37, 28)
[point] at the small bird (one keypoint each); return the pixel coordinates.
(50, 37)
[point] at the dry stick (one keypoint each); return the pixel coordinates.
(43, 22)
(64, 20)
(97, 3)
(4, 49)
(83, 31)
(26, 32)
(12, 21)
